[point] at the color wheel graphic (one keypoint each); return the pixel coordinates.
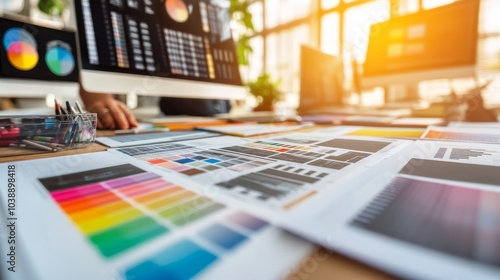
(60, 61)
(177, 10)
(21, 49)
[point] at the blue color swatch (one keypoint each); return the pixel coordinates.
(182, 260)
(223, 236)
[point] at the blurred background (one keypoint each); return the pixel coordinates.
(270, 34)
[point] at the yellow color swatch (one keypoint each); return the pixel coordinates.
(396, 133)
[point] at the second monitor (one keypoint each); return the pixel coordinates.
(36, 61)
(321, 81)
(433, 44)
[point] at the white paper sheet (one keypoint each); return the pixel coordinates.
(488, 125)
(277, 173)
(247, 130)
(59, 237)
(151, 138)
(431, 213)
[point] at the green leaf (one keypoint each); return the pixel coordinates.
(265, 89)
(241, 15)
(51, 7)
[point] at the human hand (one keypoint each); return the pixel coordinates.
(112, 114)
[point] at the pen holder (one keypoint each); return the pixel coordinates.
(46, 133)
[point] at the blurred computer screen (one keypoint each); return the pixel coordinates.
(432, 44)
(37, 60)
(180, 48)
(321, 80)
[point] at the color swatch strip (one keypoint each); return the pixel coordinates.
(187, 258)
(107, 205)
(396, 133)
(463, 136)
(192, 162)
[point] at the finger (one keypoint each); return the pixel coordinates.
(130, 117)
(99, 124)
(119, 119)
(107, 119)
(99, 109)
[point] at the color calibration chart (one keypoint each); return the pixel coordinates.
(277, 173)
(164, 38)
(126, 220)
(448, 203)
(122, 207)
(479, 135)
(187, 53)
(199, 54)
(37, 52)
(390, 132)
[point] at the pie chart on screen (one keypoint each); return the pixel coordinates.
(22, 56)
(18, 35)
(21, 49)
(177, 10)
(60, 61)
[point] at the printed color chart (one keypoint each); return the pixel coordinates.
(383, 132)
(122, 207)
(277, 173)
(462, 136)
(446, 218)
(191, 161)
(186, 258)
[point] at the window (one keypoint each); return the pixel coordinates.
(330, 35)
(327, 4)
(429, 4)
(357, 23)
(283, 11)
(342, 27)
(283, 56)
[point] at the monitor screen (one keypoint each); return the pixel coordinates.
(432, 44)
(178, 48)
(36, 60)
(321, 80)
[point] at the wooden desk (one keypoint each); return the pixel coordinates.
(321, 264)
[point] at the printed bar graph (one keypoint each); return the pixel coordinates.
(454, 220)
(458, 154)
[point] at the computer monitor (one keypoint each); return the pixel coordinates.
(321, 80)
(181, 48)
(433, 44)
(36, 61)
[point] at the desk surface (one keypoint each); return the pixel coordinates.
(321, 264)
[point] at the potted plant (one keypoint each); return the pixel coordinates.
(51, 7)
(266, 92)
